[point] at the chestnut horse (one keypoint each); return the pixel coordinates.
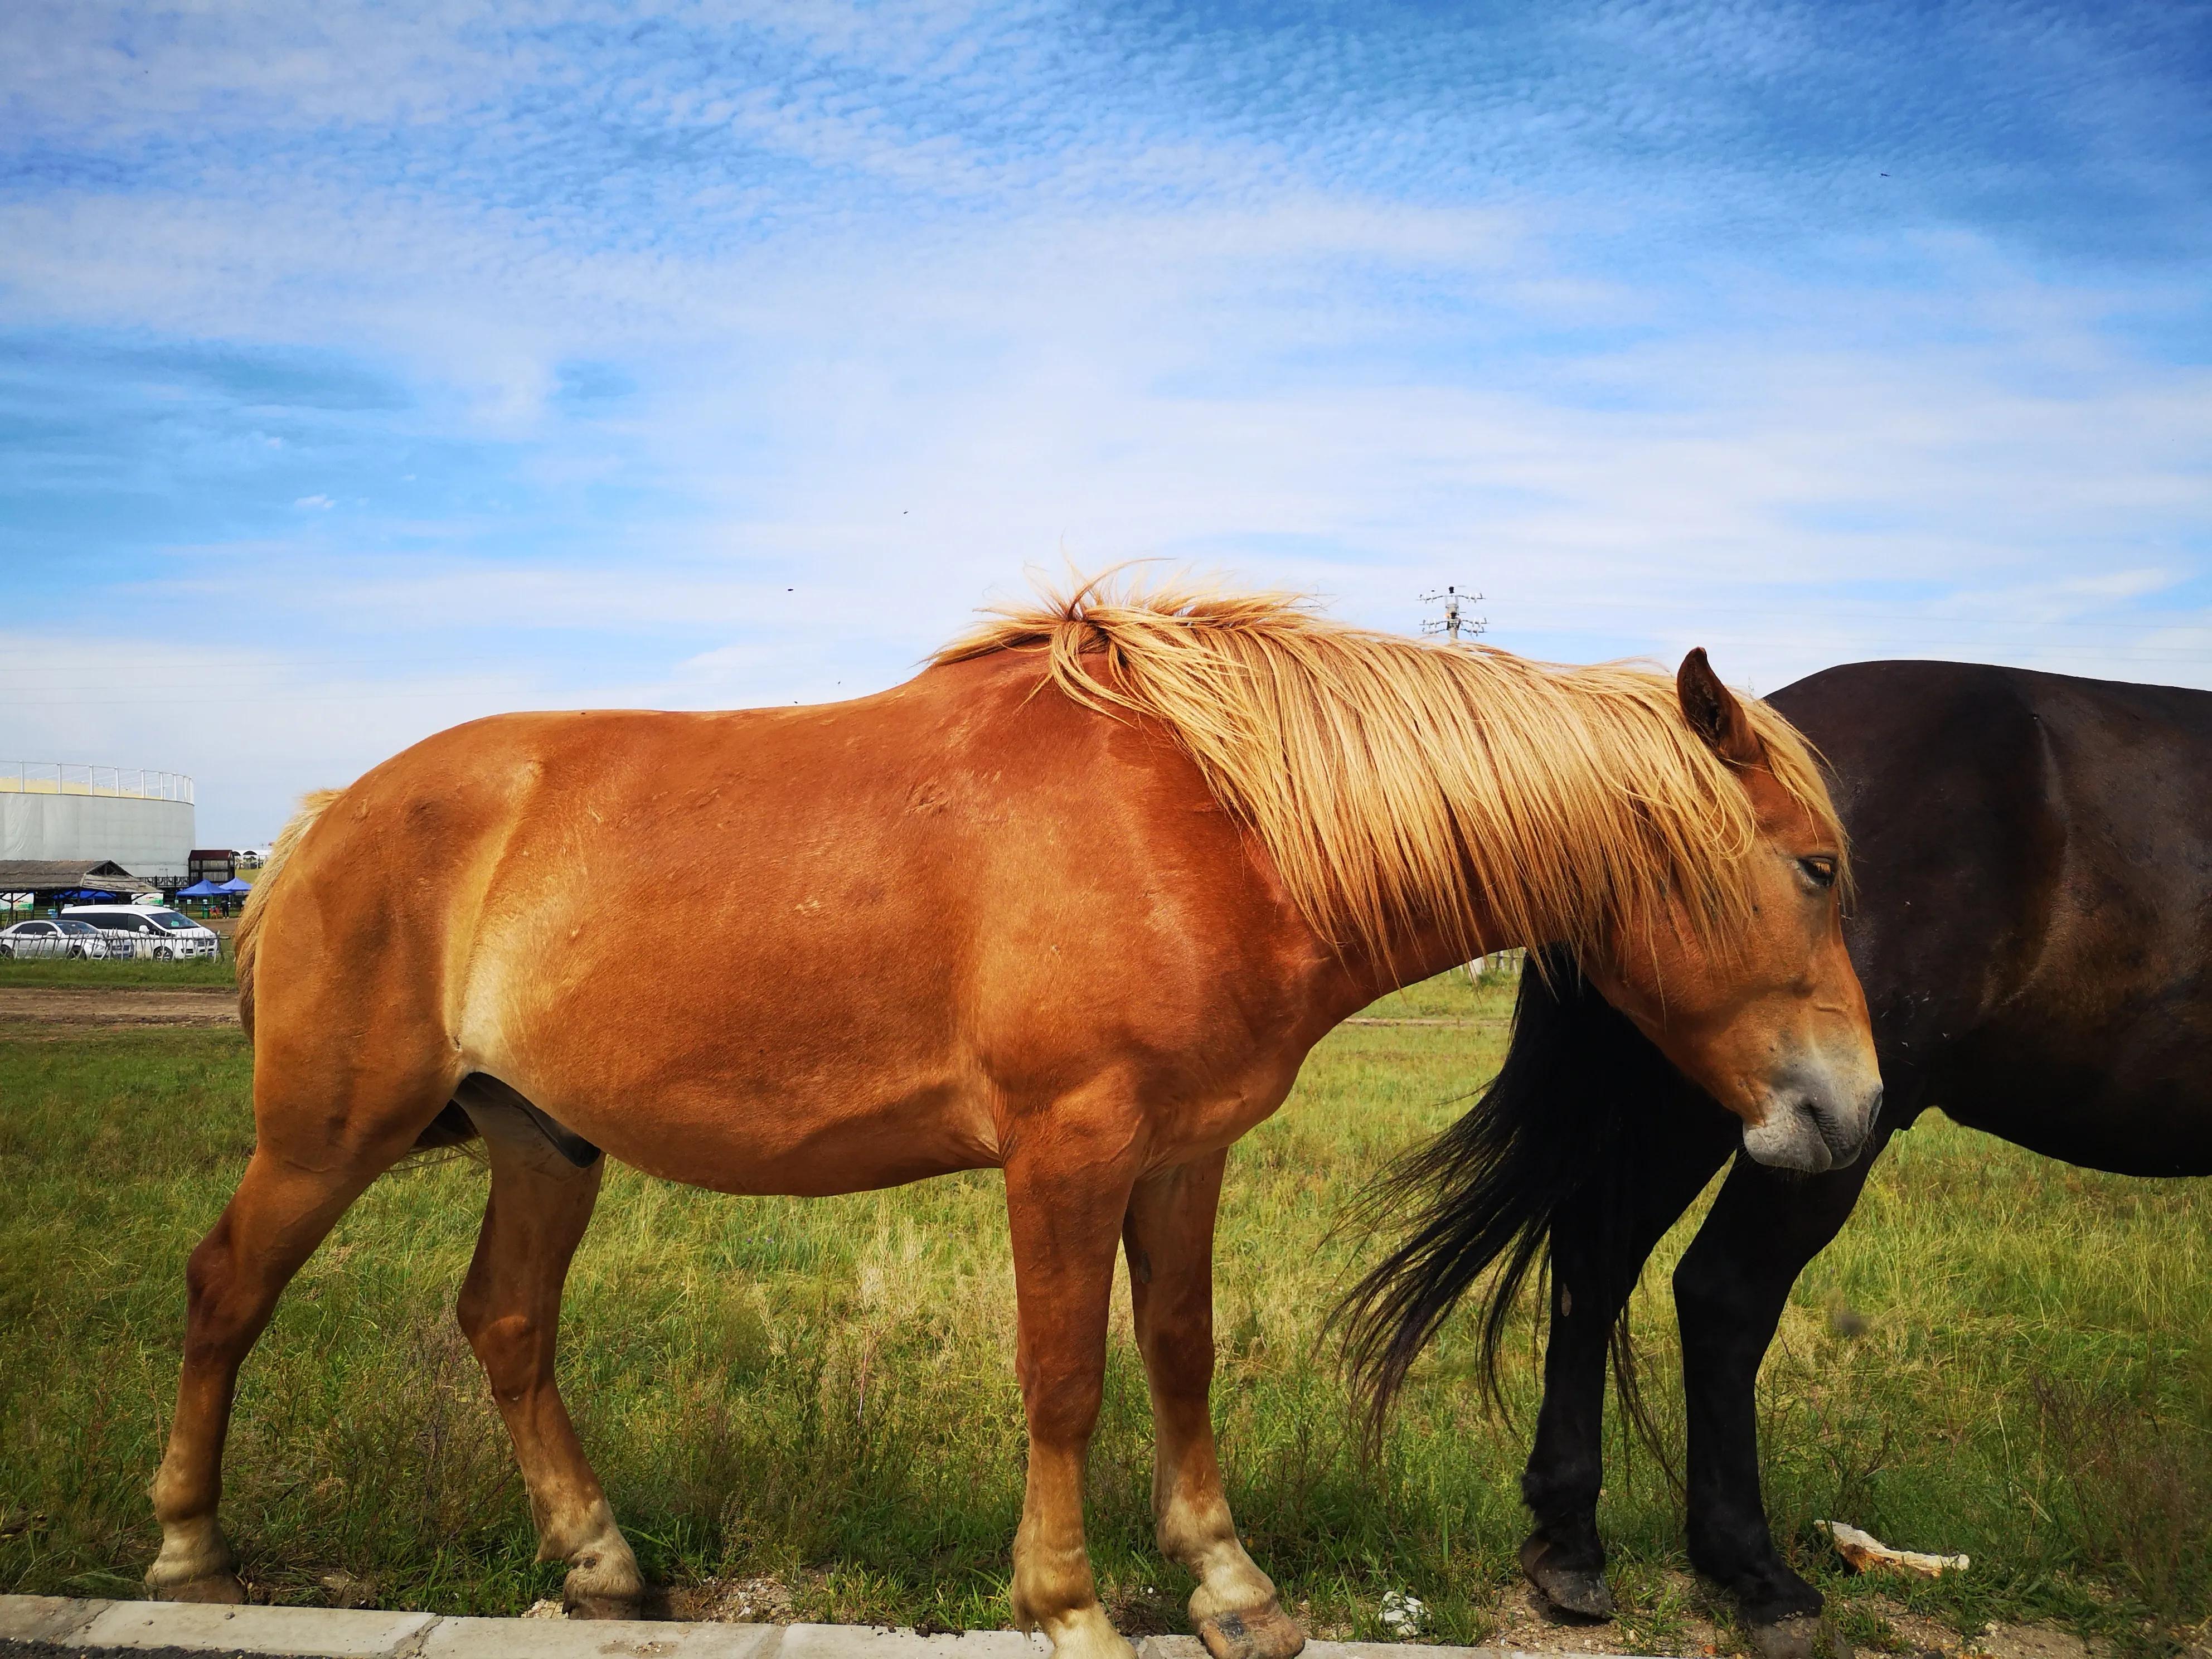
(1074, 902)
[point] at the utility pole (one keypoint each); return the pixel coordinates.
(1454, 620)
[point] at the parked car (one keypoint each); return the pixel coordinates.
(135, 930)
(65, 938)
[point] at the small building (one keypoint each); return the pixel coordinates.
(70, 881)
(214, 864)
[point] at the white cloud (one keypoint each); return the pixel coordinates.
(1601, 313)
(254, 729)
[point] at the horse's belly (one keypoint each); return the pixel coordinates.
(758, 1145)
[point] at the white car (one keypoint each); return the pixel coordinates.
(66, 937)
(138, 930)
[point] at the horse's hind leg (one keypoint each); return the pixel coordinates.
(1169, 1236)
(510, 1310)
(285, 1203)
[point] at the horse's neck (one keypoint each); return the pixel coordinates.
(1412, 956)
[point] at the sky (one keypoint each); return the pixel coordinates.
(364, 369)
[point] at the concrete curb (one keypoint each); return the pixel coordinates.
(62, 1623)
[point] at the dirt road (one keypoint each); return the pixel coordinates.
(44, 1007)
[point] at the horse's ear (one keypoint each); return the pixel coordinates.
(1714, 714)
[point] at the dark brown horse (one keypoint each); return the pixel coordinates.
(2033, 929)
(1073, 903)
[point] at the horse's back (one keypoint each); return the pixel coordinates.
(829, 942)
(2035, 937)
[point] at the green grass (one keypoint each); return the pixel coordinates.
(133, 973)
(823, 1390)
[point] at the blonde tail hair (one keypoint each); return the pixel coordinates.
(312, 806)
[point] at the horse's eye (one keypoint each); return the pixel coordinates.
(1819, 870)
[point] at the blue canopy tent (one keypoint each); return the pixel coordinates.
(234, 886)
(202, 889)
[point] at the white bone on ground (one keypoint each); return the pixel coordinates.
(1862, 1551)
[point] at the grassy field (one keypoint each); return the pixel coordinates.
(823, 1390)
(133, 972)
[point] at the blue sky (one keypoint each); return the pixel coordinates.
(363, 369)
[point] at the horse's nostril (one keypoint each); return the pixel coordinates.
(1839, 1141)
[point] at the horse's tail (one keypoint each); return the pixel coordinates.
(312, 806)
(1554, 1129)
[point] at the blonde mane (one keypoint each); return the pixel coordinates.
(1398, 783)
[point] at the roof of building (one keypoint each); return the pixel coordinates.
(42, 875)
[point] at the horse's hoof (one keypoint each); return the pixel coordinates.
(604, 1607)
(603, 1582)
(222, 1588)
(1079, 1633)
(1264, 1632)
(588, 1605)
(1579, 1591)
(1808, 1636)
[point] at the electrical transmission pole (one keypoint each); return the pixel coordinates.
(1455, 621)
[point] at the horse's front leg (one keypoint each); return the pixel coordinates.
(1168, 1234)
(1599, 1244)
(1067, 1191)
(1729, 1292)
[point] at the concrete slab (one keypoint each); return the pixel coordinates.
(1189, 1647)
(45, 1617)
(307, 1632)
(876, 1642)
(594, 1638)
(335, 1633)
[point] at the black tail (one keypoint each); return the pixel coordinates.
(1556, 1131)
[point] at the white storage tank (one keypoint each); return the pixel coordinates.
(142, 820)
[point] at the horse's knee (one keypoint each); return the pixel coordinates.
(1179, 1356)
(470, 1311)
(207, 1268)
(1699, 1286)
(1710, 1296)
(1062, 1401)
(214, 1323)
(508, 1346)
(473, 1310)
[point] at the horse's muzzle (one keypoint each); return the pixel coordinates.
(1812, 1124)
